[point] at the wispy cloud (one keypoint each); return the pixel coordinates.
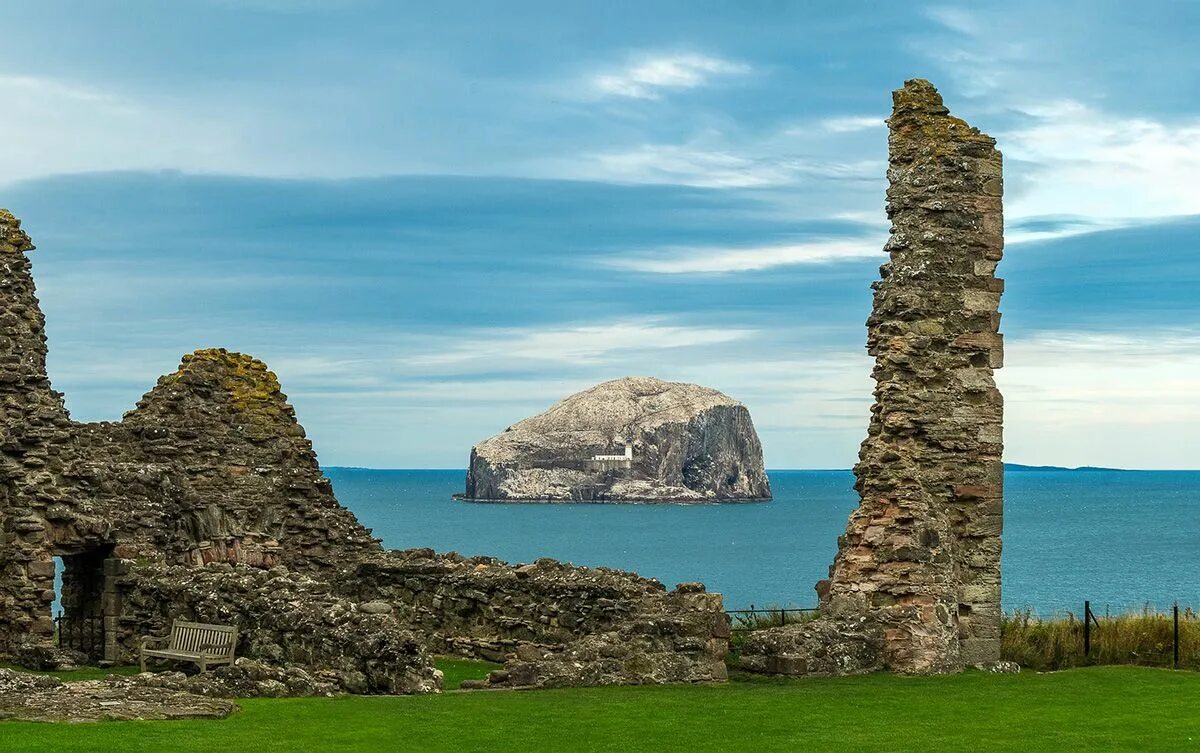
(681, 261)
(1102, 398)
(960, 20)
(56, 125)
(1078, 160)
(696, 165)
(649, 76)
(852, 123)
(583, 343)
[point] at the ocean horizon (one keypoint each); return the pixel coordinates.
(1123, 539)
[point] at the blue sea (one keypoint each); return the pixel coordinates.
(1121, 539)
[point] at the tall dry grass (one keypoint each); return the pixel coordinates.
(1143, 637)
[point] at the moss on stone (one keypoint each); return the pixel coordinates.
(253, 388)
(13, 239)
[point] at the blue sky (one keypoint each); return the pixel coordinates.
(435, 219)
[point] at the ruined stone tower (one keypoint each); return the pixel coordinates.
(211, 466)
(921, 554)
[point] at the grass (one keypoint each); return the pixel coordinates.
(456, 670)
(1143, 637)
(1094, 709)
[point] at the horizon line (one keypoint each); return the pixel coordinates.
(1056, 468)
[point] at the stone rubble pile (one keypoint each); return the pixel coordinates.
(286, 618)
(247, 678)
(38, 698)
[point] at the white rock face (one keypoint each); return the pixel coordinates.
(686, 443)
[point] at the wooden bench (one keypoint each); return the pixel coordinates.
(196, 642)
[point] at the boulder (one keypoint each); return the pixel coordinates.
(631, 439)
(43, 657)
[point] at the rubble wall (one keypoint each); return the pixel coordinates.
(283, 617)
(921, 554)
(211, 466)
(487, 608)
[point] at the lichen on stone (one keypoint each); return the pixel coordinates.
(253, 389)
(13, 239)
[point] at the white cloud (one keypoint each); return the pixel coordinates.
(720, 260)
(955, 19)
(1077, 160)
(52, 125)
(648, 76)
(1103, 398)
(753, 166)
(585, 343)
(853, 123)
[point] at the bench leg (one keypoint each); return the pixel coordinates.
(142, 660)
(203, 666)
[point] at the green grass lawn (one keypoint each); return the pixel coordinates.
(456, 670)
(1093, 709)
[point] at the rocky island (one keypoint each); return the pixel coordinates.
(631, 439)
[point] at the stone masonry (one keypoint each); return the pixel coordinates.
(917, 573)
(210, 466)
(922, 551)
(552, 623)
(206, 502)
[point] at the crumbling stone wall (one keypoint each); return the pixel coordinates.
(210, 466)
(922, 551)
(284, 618)
(563, 624)
(915, 585)
(484, 607)
(374, 627)
(206, 501)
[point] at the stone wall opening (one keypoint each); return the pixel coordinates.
(83, 606)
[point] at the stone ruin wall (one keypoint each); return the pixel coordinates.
(206, 501)
(486, 608)
(285, 618)
(921, 554)
(210, 466)
(553, 624)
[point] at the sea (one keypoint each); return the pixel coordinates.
(1123, 540)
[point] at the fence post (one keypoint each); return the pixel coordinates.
(1175, 615)
(1087, 628)
(782, 617)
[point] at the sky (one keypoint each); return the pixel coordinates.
(435, 219)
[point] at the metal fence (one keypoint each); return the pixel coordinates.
(745, 620)
(1094, 631)
(84, 634)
